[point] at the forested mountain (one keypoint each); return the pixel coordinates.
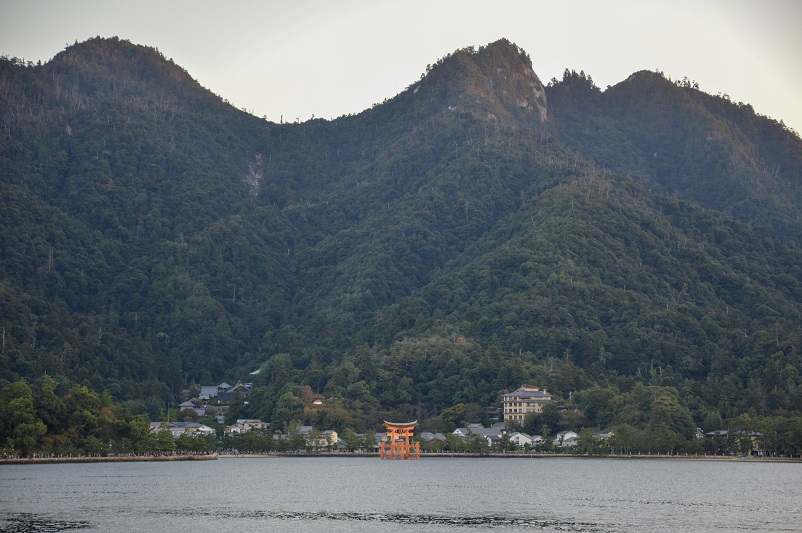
(476, 232)
(686, 143)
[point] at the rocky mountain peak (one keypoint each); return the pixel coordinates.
(495, 81)
(508, 69)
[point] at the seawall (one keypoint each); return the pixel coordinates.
(109, 459)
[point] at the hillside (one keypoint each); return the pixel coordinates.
(474, 233)
(688, 144)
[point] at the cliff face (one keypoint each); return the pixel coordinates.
(495, 83)
(508, 70)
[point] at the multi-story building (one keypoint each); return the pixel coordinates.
(524, 401)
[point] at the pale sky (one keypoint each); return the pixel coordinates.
(326, 58)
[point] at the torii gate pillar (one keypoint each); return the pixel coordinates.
(398, 444)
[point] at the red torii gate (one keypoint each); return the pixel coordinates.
(399, 437)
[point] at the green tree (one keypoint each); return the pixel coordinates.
(351, 439)
(49, 407)
(595, 403)
(587, 443)
(743, 434)
(163, 440)
(712, 422)
(139, 433)
(21, 427)
(288, 408)
(623, 440)
(83, 406)
(453, 417)
(550, 417)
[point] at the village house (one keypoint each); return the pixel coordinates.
(523, 440)
(428, 437)
(526, 400)
(200, 410)
(378, 438)
(243, 425)
(604, 435)
(192, 429)
(491, 435)
(331, 437)
(565, 439)
(727, 439)
(224, 393)
(316, 439)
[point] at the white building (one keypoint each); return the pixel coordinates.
(193, 429)
(244, 425)
(521, 439)
(565, 438)
(491, 435)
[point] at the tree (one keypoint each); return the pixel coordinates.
(455, 443)
(623, 439)
(790, 436)
(18, 418)
(27, 434)
(49, 407)
(507, 445)
(83, 406)
(571, 419)
(712, 422)
(587, 442)
(453, 417)
(163, 440)
(184, 443)
(351, 439)
(532, 423)
(550, 417)
(139, 433)
(662, 438)
(595, 403)
(667, 410)
(288, 407)
(742, 434)
(475, 443)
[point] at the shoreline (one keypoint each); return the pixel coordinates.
(109, 459)
(375, 455)
(451, 455)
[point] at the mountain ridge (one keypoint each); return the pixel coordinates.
(693, 144)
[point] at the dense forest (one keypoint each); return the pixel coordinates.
(634, 250)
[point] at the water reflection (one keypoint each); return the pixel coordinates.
(32, 523)
(402, 518)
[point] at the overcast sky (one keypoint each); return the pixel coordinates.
(326, 58)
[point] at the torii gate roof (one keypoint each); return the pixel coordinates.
(401, 424)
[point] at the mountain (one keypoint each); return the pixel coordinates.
(474, 233)
(687, 143)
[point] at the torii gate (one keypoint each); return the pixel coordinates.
(399, 437)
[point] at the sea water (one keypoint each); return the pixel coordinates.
(357, 494)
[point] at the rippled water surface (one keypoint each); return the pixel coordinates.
(432, 494)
